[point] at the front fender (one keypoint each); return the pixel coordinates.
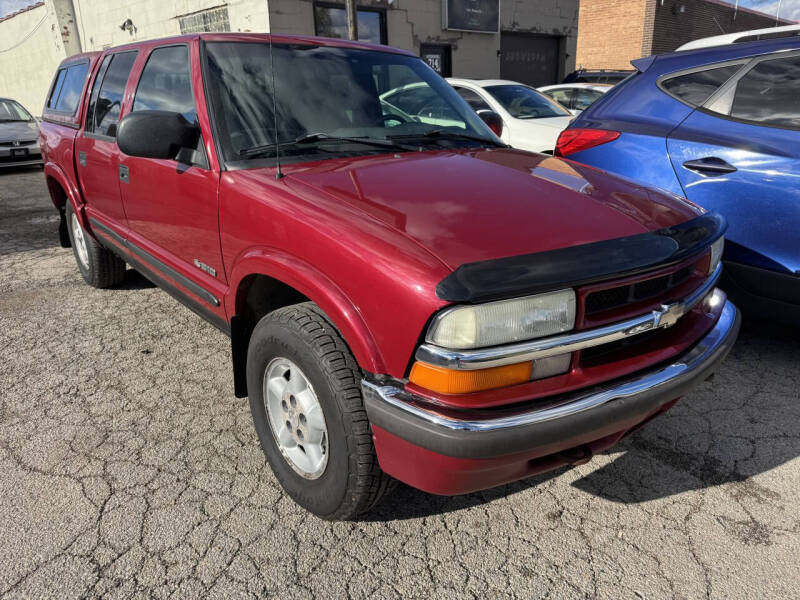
(317, 287)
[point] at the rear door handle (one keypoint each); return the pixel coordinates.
(124, 174)
(710, 165)
(82, 158)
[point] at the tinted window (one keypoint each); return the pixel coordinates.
(523, 102)
(584, 97)
(770, 93)
(166, 83)
(695, 88)
(108, 101)
(51, 102)
(71, 90)
(473, 99)
(563, 97)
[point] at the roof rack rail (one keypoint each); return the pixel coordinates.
(744, 36)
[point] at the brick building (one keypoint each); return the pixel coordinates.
(611, 33)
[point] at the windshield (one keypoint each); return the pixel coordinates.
(523, 102)
(10, 110)
(326, 93)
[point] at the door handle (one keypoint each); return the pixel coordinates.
(710, 165)
(82, 158)
(124, 174)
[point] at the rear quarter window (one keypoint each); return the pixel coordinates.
(696, 87)
(67, 88)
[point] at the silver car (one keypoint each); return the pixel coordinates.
(19, 135)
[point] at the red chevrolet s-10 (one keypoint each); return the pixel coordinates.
(406, 297)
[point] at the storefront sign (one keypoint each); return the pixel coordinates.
(473, 15)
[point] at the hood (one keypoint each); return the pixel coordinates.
(18, 130)
(467, 206)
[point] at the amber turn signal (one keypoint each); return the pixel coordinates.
(449, 381)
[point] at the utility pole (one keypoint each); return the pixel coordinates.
(352, 19)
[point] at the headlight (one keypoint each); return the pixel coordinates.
(716, 254)
(504, 322)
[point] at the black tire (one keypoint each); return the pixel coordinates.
(352, 481)
(104, 268)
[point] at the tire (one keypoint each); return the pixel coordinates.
(351, 481)
(99, 267)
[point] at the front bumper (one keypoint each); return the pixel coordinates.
(450, 451)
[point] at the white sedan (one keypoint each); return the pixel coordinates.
(531, 121)
(575, 96)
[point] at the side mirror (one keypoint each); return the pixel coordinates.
(155, 134)
(493, 120)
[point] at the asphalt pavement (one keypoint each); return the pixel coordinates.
(129, 469)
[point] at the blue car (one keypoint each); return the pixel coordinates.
(721, 126)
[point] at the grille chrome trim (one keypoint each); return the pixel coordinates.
(665, 316)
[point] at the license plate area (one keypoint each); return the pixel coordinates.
(19, 152)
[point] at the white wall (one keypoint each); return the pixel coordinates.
(99, 21)
(30, 49)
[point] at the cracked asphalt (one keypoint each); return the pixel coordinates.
(128, 469)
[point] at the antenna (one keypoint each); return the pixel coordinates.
(279, 172)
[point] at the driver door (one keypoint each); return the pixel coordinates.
(172, 205)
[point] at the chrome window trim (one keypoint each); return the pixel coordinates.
(483, 358)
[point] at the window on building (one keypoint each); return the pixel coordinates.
(330, 20)
(215, 19)
(65, 99)
(473, 99)
(770, 93)
(166, 83)
(695, 88)
(105, 105)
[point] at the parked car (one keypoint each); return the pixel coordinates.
(531, 121)
(608, 76)
(19, 135)
(720, 126)
(575, 97)
(404, 300)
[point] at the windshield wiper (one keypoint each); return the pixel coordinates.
(324, 137)
(446, 133)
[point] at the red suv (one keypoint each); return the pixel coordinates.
(406, 296)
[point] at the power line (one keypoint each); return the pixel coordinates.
(27, 37)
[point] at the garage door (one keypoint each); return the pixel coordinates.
(531, 59)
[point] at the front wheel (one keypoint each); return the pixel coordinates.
(305, 398)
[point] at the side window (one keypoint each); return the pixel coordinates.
(166, 83)
(563, 97)
(57, 83)
(695, 88)
(473, 99)
(583, 98)
(71, 90)
(106, 104)
(770, 93)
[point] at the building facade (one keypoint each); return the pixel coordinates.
(615, 32)
(529, 41)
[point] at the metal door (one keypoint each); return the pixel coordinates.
(530, 59)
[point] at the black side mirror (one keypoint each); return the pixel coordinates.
(493, 120)
(155, 134)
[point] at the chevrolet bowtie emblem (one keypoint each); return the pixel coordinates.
(667, 315)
